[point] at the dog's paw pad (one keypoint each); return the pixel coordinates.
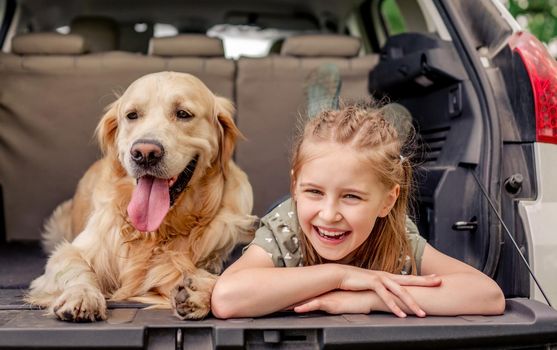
(181, 295)
(85, 305)
(191, 299)
(186, 308)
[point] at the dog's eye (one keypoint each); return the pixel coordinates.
(181, 114)
(132, 115)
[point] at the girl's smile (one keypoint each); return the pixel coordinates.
(331, 236)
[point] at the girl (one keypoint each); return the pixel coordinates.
(343, 244)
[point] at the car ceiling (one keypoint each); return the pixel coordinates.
(196, 14)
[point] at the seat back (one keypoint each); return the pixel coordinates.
(270, 101)
(199, 55)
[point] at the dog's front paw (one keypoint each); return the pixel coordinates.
(80, 304)
(192, 298)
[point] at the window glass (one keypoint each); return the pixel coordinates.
(140, 27)
(63, 30)
(2, 9)
(164, 29)
(392, 17)
(247, 41)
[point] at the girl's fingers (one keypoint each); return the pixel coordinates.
(404, 296)
(410, 280)
(312, 305)
(389, 301)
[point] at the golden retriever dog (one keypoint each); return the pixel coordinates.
(155, 218)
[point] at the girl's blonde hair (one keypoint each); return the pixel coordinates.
(364, 128)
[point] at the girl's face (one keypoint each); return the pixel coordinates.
(338, 199)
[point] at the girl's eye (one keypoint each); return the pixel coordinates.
(132, 115)
(313, 191)
(181, 114)
(352, 196)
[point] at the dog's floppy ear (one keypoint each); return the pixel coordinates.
(229, 133)
(107, 129)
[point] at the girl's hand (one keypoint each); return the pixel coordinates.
(340, 302)
(388, 287)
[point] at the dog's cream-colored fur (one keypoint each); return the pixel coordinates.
(103, 257)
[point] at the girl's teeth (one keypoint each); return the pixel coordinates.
(328, 234)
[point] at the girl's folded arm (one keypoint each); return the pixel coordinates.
(464, 290)
(252, 286)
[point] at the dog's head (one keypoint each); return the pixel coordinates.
(166, 129)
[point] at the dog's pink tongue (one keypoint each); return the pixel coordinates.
(149, 204)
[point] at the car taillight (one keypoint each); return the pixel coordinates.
(542, 69)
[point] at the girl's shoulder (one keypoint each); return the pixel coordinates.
(285, 211)
(278, 235)
(417, 242)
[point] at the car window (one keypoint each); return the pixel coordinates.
(250, 41)
(3, 22)
(161, 29)
(2, 8)
(247, 41)
(392, 17)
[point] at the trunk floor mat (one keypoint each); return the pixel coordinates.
(20, 263)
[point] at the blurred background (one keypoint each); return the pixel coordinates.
(538, 17)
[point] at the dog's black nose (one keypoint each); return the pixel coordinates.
(147, 153)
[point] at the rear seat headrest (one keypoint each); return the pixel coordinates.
(321, 45)
(186, 45)
(101, 33)
(48, 44)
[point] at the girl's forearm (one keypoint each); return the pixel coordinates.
(259, 291)
(458, 294)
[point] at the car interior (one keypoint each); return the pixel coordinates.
(63, 62)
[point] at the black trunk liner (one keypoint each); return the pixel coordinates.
(525, 323)
(20, 263)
